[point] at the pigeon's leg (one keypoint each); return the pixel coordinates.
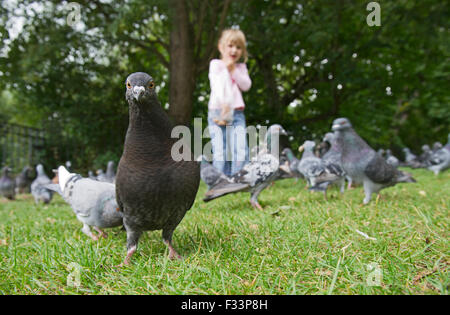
(167, 238)
(342, 185)
(102, 233)
(87, 230)
(132, 241)
(325, 194)
(367, 192)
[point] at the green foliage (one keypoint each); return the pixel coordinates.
(298, 244)
(310, 62)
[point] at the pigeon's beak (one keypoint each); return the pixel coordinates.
(138, 91)
(301, 148)
(335, 127)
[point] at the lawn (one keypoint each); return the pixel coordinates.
(299, 244)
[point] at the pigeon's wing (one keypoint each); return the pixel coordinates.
(379, 171)
(311, 167)
(257, 171)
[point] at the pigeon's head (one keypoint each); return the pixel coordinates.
(388, 152)
(437, 146)
(329, 137)
(426, 148)
(341, 124)
(307, 146)
(406, 150)
(40, 169)
(110, 165)
(63, 176)
(140, 87)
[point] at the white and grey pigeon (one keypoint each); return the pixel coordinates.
(7, 184)
(93, 202)
(391, 159)
(38, 189)
(254, 177)
(317, 172)
(211, 175)
(363, 164)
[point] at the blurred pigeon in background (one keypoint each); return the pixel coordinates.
(91, 175)
(293, 162)
(101, 176)
(411, 159)
(93, 202)
(363, 164)
(317, 172)
(23, 181)
(7, 184)
(425, 157)
(110, 175)
(441, 159)
(391, 159)
(38, 189)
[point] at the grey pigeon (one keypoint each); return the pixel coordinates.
(38, 189)
(333, 155)
(391, 159)
(363, 164)
(154, 189)
(293, 162)
(254, 177)
(211, 175)
(93, 202)
(437, 146)
(110, 175)
(411, 159)
(7, 184)
(425, 157)
(441, 159)
(317, 172)
(23, 181)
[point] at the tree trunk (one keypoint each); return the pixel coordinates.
(181, 68)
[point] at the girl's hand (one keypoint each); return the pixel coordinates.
(231, 65)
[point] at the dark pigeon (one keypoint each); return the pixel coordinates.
(363, 164)
(154, 190)
(23, 181)
(7, 184)
(38, 189)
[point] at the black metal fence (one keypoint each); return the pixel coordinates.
(20, 145)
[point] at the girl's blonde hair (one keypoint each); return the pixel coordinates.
(236, 37)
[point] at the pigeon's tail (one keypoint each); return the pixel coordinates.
(222, 190)
(405, 177)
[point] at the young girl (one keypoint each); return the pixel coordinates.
(226, 121)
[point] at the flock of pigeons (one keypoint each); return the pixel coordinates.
(151, 191)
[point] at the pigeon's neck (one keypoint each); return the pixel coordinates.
(351, 142)
(308, 153)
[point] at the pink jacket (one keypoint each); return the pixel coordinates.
(226, 87)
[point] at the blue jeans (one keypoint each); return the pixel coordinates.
(229, 143)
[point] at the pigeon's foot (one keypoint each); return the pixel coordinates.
(255, 204)
(130, 253)
(172, 252)
(102, 233)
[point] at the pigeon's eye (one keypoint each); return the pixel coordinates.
(151, 85)
(128, 85)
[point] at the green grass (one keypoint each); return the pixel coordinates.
(299, 244)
